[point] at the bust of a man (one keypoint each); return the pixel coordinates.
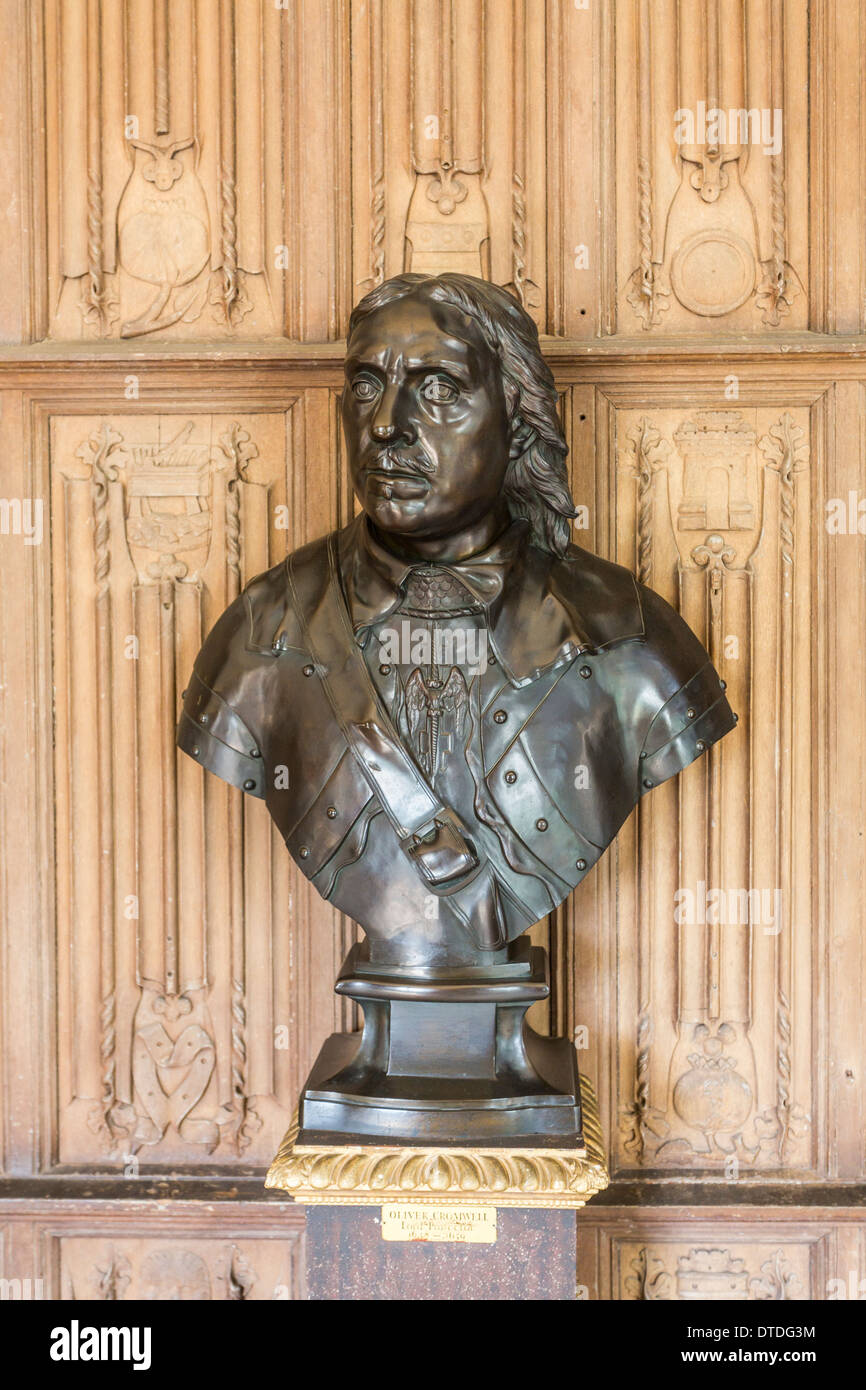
(448, 707)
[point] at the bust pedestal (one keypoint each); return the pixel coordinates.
(439, 1222)
(443, 1152)
(445, 1057)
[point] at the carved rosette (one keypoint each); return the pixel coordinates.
(368, 1175)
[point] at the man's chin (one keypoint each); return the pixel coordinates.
(397, 516)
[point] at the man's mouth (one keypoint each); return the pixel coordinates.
(399, 485)
(391, 477)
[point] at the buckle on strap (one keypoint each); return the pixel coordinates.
(440, 850)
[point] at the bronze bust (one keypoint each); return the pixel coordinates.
(450, 710)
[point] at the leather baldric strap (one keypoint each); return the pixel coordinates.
(430, 832)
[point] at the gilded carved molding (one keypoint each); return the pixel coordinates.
(368, 1175)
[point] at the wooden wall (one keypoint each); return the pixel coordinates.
(195, 195)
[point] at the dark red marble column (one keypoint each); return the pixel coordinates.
(533, 1258)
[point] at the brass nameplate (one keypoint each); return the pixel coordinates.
(410, 1221)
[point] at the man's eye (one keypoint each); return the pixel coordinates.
(364, 389)
(439, 390)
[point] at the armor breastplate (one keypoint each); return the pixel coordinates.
(438, 634)
(626, 701)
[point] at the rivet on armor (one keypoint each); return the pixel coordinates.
(304, 852)
(332, 813)
(309, 670)
(249, 785)
(736, 719)
(511, 778)
(647, 782)
(690, 714)
(723, 684)
(202, 719)
(581, 864)
(195, 752)
(254, 753)
(499, 716)
(586, 672)
(700, 745)
(541, 824)
(385, 669)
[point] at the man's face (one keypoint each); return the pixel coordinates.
(425, 419)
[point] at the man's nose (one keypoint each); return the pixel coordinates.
(391, 419)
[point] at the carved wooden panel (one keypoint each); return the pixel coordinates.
(699, 993)
(714, 894)
(191, 178)
(474, 122)
(766, 1261)
(712, 179)
(734, 1273)
(117, 1268)
(245, 169)
(253, 1250)
(188, 954)
(196, 193)
(448, 104)
(719, 1254)
(625, 167)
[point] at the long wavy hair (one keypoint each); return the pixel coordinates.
(536, 483)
